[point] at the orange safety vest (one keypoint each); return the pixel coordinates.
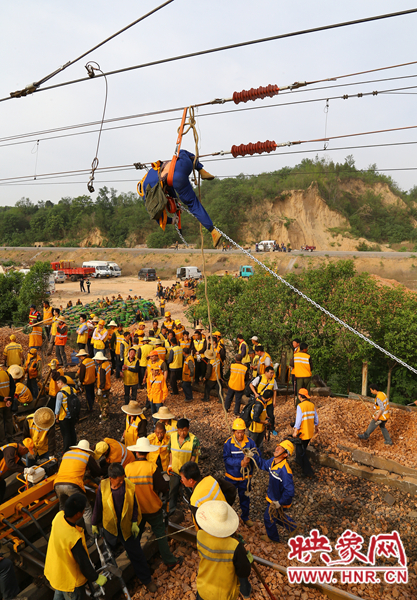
(157, 389)
(90, 371)
(163, 450)
(106, 366)
(73, 467)
(118, 453)
(141, 473)
(3, 466)
(119, 340)
(384, 399)
(307, 419)
(23, 393)
(31, 366)
(215, 363)
(237, 377)
(61, 338)
(261, 364)
(186, 374)
(302, 364)
(131, 430)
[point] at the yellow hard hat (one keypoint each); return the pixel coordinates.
(239, 425)
(13, 337)
(101, 322)
(100, 449)
(288, 446)
(168, 314)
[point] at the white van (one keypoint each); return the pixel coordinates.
(188, 273)
(115, 269)
(266, 245)
(101, 266)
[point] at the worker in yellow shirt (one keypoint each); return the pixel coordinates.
(54, 327)
(380, 416)
(82, 332)
(33, 369)
(168, 323)
(168, 419)
(157, 389)
(22, 393)
(305, 426)
(212, 374)
(183, 447)
(130, 371)
(302, 368)
(47, 318)
(35, 337)
(136, 424)
(67, 564)
(99, 338)
(238, 373)
(103, 384)
(13, 352)
(87, 377)
(203, 489)
(40, 428)
(161, 439)
(174, 362)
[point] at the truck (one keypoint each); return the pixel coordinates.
(246, 271)
(101, 268)
(189, 273)
(115, 269)
(71, 272)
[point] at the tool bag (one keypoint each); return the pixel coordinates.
(155, 200)
(246, 412)
(74, 405)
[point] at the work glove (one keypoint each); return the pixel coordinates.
(276, 504)
(135, 530)
(170, 470)
(101, 580)
(95, 529)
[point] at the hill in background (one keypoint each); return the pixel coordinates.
(318, 202)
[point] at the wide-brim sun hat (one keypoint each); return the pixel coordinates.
(163, 413)
(16, 372)
(143, 445)
(82, 353)
(83, 445)
(44, 418)
(112, 324)
(217, 518)
(100, 356)
(254, 337)
(132, 408)
(210, 354)
(95, 319)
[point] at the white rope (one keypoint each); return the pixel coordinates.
(326, 312)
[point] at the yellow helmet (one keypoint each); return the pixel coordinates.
(239, 425)
(288, 446)
(13, 337)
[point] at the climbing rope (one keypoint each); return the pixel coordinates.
(315, 304)
(245, 471)
(278, 513)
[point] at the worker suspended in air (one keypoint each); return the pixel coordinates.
(161, 198)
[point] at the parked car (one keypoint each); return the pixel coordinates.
(59, 277)
(189, 273)
(246, 271)
(147, 274)
(266, 246)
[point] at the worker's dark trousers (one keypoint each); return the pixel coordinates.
(112, 360)
(258, 438)
(90, 348)
(187, 388)
(33, 387)
(238, 399)
(244, 501)
(301, 457)
(174, 488)
(69, 437)
(272, 522)
(302, 382)
(60, 354)
(90, 395)
(374, 425)
(47, 331)
(156, 521)
(271, 416)
(119, 365)
(80, 346)
(6, 424)
(134, 552)
(174, 376)
(8, 582)
(142, 373)
(200, 370)
(131, 390)
(210, 385)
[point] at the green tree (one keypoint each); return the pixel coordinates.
(34, 290)
(10, 286)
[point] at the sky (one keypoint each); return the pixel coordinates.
(38, 37)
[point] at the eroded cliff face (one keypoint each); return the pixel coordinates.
(301, 217)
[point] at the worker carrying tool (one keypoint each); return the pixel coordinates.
(158, 205)
(239, 466)
(67, 564)
(117, 509)
(306, 425)
(380, 416)
(224, 566)
(148, 481)
(280, 491)
(39, 427)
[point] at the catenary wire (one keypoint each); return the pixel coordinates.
(359, 95)
(165, 111)
(238, 45)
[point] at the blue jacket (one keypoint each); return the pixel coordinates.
(281, 483)
(233, 455)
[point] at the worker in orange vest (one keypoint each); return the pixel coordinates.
(61, 338)
(35, 337)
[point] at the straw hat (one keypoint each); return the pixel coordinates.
(143, 445)
(163, 413)
(146, 339)
(132, 408)
(112, 324)
(217, 518)
(157, 342)
(95, 319)
(15, 371)
(100, 449)
(210, 354)
(100, 356)
(82, 445)
(44, 418)
(82, 353)
(61, 320)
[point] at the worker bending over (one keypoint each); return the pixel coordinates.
(380, 416)
(181, 187)
(39, 427)
(239, 467)
(224, 566)
(67, 565)
(280, 491)
(116, 508)
(202, 488)
(11, 455)
(260, 385)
